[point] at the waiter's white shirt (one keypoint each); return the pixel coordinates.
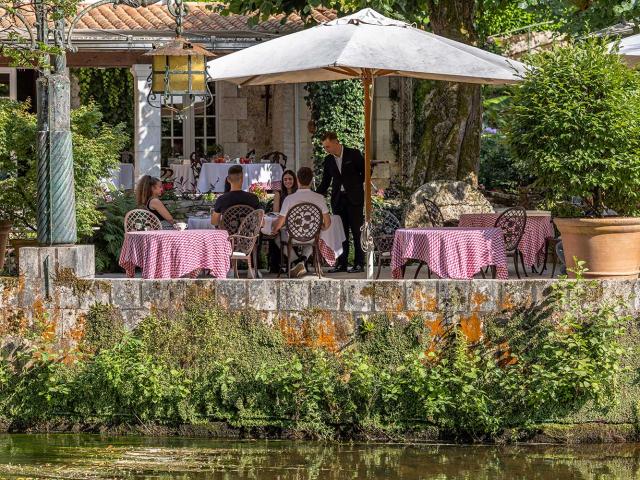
(339, 163)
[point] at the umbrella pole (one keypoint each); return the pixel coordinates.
(367, 81)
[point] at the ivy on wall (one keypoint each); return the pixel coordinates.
(112, 90)
(339, 107)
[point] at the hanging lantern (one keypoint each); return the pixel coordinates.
(179, 68)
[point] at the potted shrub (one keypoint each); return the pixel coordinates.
(575, 125)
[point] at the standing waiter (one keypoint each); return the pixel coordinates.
(344, 170)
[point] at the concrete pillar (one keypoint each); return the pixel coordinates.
(146, 126)
(283, 118)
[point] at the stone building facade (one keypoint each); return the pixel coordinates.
(243, 119)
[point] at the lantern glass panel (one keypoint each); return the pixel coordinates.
(178, 82)
(198, 68)
(157, 80)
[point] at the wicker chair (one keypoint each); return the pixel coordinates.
(512, 223)
(303, 225)
(433, 212)
(550, 247)
(244, 241)
(385, 225)
(437, 220)
(139, 220)
(232, 218)
(276, 157)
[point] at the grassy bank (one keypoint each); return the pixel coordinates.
(205, 370)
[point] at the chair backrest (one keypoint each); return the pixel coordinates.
(303, 222)
(433, 212)
(139, 220)
(512, 222)
(276, 157)
(233, 216)
(384, 228)
(248, 233)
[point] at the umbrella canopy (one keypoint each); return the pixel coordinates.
(630, 49)
(365, 41)
(364, 45)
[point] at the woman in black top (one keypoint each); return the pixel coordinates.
(148, 193)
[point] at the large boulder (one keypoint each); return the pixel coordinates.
(453, 198)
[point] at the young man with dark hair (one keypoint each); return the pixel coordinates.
(236, 196)
(304, 194)
(344, 171)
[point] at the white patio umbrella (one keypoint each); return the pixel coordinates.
(364, 45)
(630, 49)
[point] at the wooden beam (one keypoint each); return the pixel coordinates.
(100, 59)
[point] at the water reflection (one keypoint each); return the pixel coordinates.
(89, 457)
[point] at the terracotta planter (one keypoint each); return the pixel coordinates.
(610, 246)
(5, 229)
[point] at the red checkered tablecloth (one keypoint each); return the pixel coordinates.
(458, 253)
(536, 231)
(173, 253)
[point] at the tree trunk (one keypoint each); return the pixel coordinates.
(448, 148)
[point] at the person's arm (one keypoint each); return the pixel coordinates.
(159, 207)
(326, 221)
(326, 178)
(277, 224)
(276, 201)
(215, 216)
(358, 162)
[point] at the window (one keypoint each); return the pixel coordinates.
(8, 85)
(193, 131)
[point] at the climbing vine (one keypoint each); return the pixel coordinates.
(339, 107)
(112, 90)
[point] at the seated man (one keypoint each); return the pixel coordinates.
(304, 194)
(235, 196)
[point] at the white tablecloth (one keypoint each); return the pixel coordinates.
(199, 223)
(213, 175)
(332, 236)
(122, 176)
(183, 175)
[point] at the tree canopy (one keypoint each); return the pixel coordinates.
(492, 16)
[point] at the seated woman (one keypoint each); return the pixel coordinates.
(148, 193)
(288, 186)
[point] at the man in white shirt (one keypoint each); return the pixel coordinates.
(304, 194)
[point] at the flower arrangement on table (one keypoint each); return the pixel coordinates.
(260, 190)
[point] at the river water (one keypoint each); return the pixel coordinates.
(97, 457)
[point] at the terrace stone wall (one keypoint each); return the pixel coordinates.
(340, 304)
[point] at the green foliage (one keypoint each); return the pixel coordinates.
(206, 364)
(574, 125)
(497, 168)
(339, 107)
(111, 89)
(110, 236)
(95, 151)
(127, 380)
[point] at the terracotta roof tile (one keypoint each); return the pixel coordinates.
(200, 18)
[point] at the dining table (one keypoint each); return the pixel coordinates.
(538, 228)
(330, 239)
(174, 253)
(184, 181)
(213, 175)
(450, 252)
(200, 222)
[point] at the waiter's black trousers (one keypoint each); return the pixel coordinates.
(352, 220)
